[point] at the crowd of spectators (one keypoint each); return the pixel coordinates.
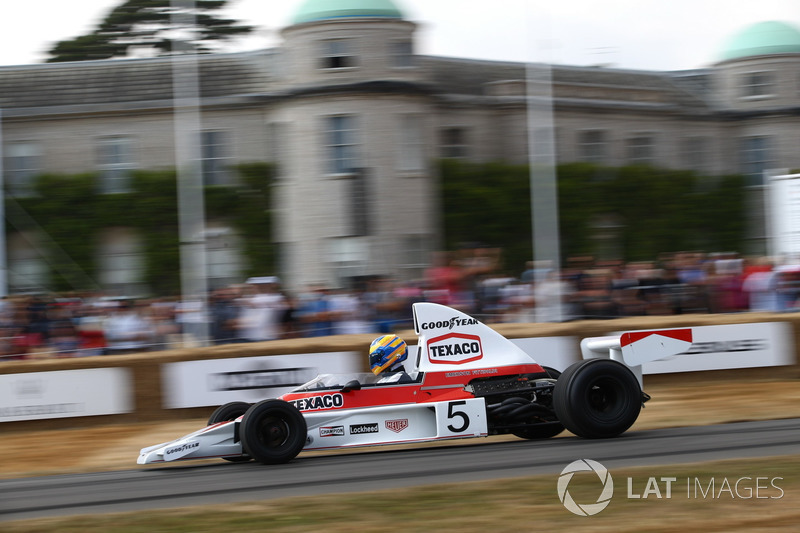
(37, 326)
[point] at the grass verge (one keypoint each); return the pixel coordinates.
(733, 495)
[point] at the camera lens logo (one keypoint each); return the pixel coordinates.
(585, 465)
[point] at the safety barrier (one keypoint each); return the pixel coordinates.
(140, 380)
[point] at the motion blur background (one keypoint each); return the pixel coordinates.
(334, 149)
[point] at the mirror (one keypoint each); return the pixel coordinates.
(351, 386)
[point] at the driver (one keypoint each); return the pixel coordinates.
(386, 356)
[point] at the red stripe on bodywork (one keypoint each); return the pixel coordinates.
(634, 336)
(435, 386)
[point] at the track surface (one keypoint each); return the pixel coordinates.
(185, 484)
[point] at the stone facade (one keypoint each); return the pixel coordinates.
(355, 122)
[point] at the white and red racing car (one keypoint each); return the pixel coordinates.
(463, 380)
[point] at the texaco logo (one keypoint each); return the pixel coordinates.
(585, 465)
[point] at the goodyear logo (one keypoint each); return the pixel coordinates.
(455, 349)
(449, 324)
(182, 448)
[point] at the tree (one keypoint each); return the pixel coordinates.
(164, 27)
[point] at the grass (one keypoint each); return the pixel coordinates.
(520, 504)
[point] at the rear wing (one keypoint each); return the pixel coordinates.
(634, 348)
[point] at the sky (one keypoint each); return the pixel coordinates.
(634, 34)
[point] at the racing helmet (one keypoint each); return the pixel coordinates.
(385, 352)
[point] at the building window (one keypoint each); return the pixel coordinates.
(695, 153)
(402, 54)
(215, 158)
(349, 258)
(27, 267)
(115, 162)
(341, 144)
(755, 158)
(337, 54)
(757, 84)
(454, 143)
(641, 149)
(121, 262)
(277, 144)
(412, 143)
(223, 262)
(415, 251)
(23, 162)
(360, 207)
(593, 146)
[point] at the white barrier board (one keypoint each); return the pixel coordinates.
(65, 394)
(731, 346)
(248, 379)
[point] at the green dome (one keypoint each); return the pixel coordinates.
(764, 38)
(312, 10)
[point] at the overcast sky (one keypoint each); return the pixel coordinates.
(637, 34)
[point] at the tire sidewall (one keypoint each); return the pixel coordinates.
(228, 412)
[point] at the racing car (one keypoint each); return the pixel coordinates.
(464, 380)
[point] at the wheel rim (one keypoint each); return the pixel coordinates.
(603, 397)
(273, 432)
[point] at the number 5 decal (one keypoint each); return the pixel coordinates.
(452, 412)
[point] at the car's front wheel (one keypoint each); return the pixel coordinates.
(227, 413)
(273, 432)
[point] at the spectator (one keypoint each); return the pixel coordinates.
(348, 313)
(261, 310)
(126, 331)
(315, 312)
(224, 314)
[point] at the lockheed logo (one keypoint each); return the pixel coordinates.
(397, 425)
(455, 349)
(359, 429)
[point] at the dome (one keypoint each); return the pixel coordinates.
(764, 38)
(312, 10)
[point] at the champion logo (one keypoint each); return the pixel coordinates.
(397, 425)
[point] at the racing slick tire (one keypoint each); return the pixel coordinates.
(273, 432)
(597, 398)
(226, 413)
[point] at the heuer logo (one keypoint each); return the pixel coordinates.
(331, 431)
(455, 349)
(397, 425)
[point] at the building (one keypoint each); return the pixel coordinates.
(354, 119)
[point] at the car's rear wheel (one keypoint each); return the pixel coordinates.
(597, 398)
(227, 413)
(273, 432)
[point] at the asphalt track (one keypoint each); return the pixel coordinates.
(187, 484)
